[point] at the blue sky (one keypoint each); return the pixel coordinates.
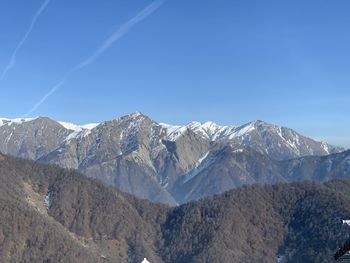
(230, 61)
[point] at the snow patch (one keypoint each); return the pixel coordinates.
(47, 201)
(8, 137)
(238, 150)
(279, 132)
(325, 147)
(243, 130)
(70, 126)
(173, 132)
(201, 165)
(208, 130)
(90, 126)
(75, 127)
(79, 131)
(73, 135)
(202, 159)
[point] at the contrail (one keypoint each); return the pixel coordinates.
(37, 105)
(119, 33)
(12, 61)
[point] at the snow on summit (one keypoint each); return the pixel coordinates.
(258, 131)
(6, 121)
(209, 130)
(75, 127)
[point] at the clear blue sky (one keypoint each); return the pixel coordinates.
(230, 61)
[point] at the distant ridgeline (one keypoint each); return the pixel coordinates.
(83, 220)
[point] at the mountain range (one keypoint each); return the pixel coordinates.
(49, 214)
(175, 164)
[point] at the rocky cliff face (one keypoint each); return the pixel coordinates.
(161, 162)
(31, 139)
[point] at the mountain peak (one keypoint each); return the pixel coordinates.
(137, 114)
(133, 116)
(257, 123)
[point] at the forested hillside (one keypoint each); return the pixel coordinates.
(55, 215)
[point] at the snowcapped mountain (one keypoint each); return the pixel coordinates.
(162, 162)
(277, 141)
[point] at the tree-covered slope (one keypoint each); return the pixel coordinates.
(83, 220)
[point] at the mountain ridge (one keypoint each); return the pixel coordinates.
(158, 161)
(209, 129)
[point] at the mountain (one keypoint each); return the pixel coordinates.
(53, 215)
(31, 138)
(276, 141)
(161, 162)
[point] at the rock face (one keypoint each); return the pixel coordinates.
(161, 162)
(49, 214)
(33, 138)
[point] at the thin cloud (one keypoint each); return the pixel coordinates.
(119, 33)
(12, 61)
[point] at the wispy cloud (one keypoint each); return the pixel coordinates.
(119, 33)
(12, 61)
